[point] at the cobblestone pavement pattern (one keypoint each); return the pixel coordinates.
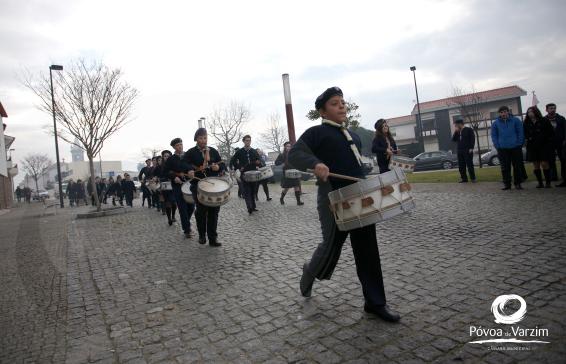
(130, 289)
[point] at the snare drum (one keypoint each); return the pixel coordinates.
(371, 200)
(166, 186)
(213, 191)
(152, 186)
(405, 163)
(293, 174)
(187, 194)
(265, 173)
(252, 176)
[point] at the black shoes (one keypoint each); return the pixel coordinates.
(518, 187)
(170, 222)
(189, 235)
(463, 181)
(201, 240)
(255, 209)
(282, 201)
(214, 243)
(269, 199)
(250, 211)
(384, 312)
(300, 203)
(506, 188)
(307, 280)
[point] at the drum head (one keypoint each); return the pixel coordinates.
(213, 185)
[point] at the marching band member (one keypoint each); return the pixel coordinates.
(331, 147)
(179, 170)
(247, 159)
(263, 183)
(206, 162)
(143, 177)
(383, 145)
(287, 183)
(168, 198)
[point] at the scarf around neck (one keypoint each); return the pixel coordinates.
(348, 138)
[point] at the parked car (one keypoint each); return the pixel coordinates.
(492, 159)
(435, 160)
(40, 195)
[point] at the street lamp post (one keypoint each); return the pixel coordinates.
(52, 68)
(420, 123)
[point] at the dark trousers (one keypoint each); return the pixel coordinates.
(249, 194)
(512, 157)
(207, 220)
(185, 209)
(129, 198)
(265, 188)
(364, 246)
(553, 168)
(466, 160)
(146, 194)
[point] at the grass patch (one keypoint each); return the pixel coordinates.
(486, 174)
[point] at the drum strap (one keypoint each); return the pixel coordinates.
(348, 138)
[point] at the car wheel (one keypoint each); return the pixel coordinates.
(447, 165)
(494, 161)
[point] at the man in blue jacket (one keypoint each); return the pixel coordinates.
(508, 137)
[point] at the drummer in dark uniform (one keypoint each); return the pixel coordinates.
(144, 176)
(247, 159)
(326, 148)
(287, 183)
(180, 172)
(206, 162)
(166, 196)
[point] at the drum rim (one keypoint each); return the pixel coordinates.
(399, 208)
(357, 189)
(217, 193)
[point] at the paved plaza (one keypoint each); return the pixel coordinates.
(129, 289)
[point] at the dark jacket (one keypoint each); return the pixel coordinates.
(559, 127)
(283, 159)
(117, 187)
(327, 144)
(379, 147)
(465, 138)
(195, 158)
(128, 187)
(79, 190)
(246, 159)
(176, 164)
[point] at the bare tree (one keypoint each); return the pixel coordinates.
(150, 152)
(93, 102)
(275, 135)
(225, 123)
(471, 111)
(35, 165)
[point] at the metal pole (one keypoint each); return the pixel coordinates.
(56, 142)
(420, 123)
(289, 108)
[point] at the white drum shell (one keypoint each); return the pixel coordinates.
(293, 174)
(382, 208)
(187, 194)
(220, 194)
(252, 176)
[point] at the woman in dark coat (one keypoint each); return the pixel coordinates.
(118, 191)
(383, 145)
(539, 135)
(287, 183)
(79, 193)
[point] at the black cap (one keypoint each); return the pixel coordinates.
(458, 121)
(326, 95)
(379, 123)
(200, 132)
(175, 141)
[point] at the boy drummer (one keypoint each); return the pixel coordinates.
(331, 147)
(206, 162)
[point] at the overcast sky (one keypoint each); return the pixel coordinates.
(185, 57)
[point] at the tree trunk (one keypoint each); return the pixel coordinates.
(476, 132)
(92, 184)
(36, 187)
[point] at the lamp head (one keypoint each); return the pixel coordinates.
(56, 67)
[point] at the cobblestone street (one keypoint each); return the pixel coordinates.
(128, 288)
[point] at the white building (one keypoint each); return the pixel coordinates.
(7, 169)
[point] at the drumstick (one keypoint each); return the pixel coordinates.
(336, 175)
(203, 180)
